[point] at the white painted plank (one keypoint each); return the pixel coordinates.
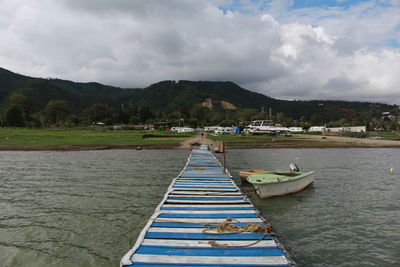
(203, 185)
(272, 260)
(207, 196)
(202, 189)
(205, 179)
(206, 202)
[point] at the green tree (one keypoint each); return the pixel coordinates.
(197, 112)
(23, 102)
(192, 122)
(14, 116)
(57, 110)
(314, 120)
(145, 113)
(246, 114)
(132, 109)
(74, 120)
(134, 120)
(99, 112)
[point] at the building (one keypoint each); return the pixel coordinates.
(160, 126)
(349, 129)
(296, 129)
(225, 130)
(317, 129)
(182, 130)
(211, 128)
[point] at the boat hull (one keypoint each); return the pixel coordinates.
(283, 188)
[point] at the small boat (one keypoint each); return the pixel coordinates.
(244, 174)
(278, 183)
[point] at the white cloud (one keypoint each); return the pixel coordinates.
(306, 54)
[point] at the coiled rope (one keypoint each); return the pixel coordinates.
(225, 227)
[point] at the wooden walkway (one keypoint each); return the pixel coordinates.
(203, 194)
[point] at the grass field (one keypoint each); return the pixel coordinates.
(21, 137)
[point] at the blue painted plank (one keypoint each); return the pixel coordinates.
(207, 208)
(204, 187)
(196, 236)
(204, 178)
(211, 251)
(206, 182)
(232, 215)
(156, 264)
(192, 225)
(205, 174)
(206, 198)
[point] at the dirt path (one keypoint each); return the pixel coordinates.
(198, 139)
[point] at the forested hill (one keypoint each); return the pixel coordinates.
(79, 95)
(169, 97)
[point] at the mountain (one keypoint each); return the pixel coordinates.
(169, 96)
(81, 95)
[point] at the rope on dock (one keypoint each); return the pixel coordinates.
(214, 243)
(227, 228)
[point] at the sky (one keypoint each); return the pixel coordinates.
(287, 49)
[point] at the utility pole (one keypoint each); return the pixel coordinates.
(270, 113)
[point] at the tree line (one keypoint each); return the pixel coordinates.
(19, 112)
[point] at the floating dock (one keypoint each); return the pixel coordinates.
(183, 229)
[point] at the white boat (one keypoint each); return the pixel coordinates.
(280, 183)
(264, 127)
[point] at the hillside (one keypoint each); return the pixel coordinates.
(169, 96)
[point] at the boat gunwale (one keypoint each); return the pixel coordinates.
(289, 179)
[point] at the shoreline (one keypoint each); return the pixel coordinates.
(297, 141)
(84, 147)
(168, 146)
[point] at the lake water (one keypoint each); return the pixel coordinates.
(73, 208)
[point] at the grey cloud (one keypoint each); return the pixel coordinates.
(135, 43)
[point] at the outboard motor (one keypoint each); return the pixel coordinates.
(293, 167)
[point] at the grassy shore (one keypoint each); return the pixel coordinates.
(102, 138)
(76, 139)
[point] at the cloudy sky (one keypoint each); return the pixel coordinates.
(289, 49)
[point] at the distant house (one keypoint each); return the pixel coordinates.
(317, 129)
(296, 129)
(352, 129)
(211, 128)
(182, 130)
(160, 125)
(225, 130)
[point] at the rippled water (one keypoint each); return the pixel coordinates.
(351, 214)
(72, 208)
